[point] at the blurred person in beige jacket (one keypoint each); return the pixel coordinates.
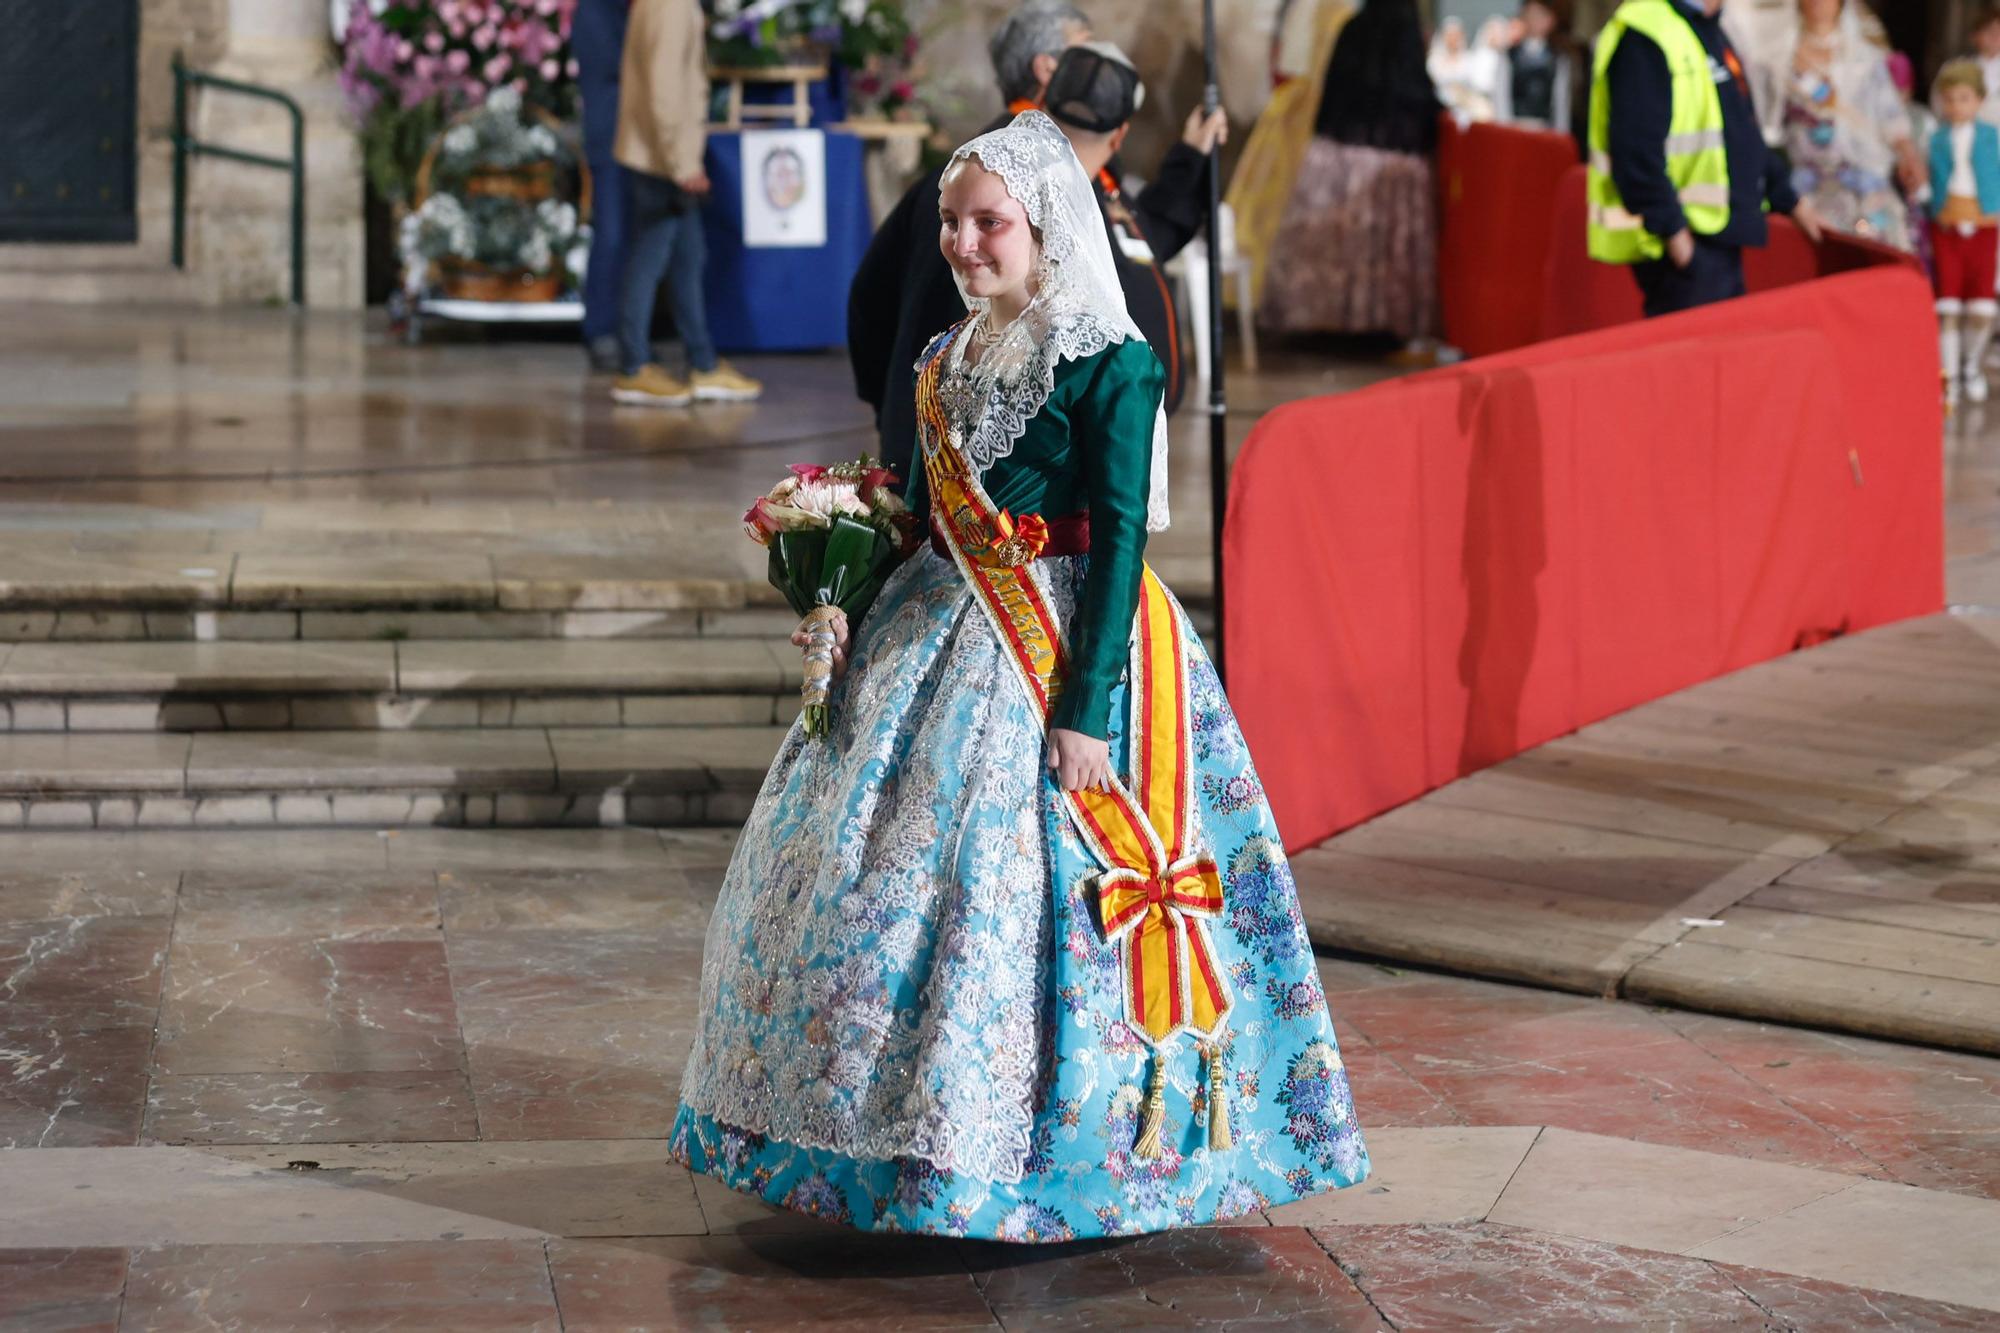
(662, 132)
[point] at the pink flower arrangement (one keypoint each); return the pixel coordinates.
(813, 496)
(454, 52)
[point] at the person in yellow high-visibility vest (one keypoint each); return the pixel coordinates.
(1680, 178)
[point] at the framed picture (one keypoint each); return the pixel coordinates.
(784, 189)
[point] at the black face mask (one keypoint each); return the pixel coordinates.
(1091, 92)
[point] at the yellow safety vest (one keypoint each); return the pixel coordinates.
(1697, 161)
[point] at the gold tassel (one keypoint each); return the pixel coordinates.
(1155, 1121)
(1219, 1137)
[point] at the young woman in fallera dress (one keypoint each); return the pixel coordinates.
(1014, 952)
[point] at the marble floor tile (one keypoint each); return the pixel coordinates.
(158, 1195)
(729, 1212)
(655, 899)
(468, 1286)
(852, 1282)
(1500, 1280)
(1261, 1277)
(1385, 1091)
(171, 851)
(235, 1006)
(1648, 1196)
(61, 1290)
(72, 894)
(1422, 1175)
(1938, 1247)
(1927, 1118)
(524, 848)
(65, 1086)
(1505, 1055)
(573, 1034)
(94, 971)
(318, 905)
(1809, 1303)
(369, 1106)
(587, 1187)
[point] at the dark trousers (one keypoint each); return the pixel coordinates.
(1714, 274)
(597, 40)
(606, 267)
(665, 241)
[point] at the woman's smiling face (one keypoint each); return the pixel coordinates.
(984, 232)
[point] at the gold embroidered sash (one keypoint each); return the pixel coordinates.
(1158, 888)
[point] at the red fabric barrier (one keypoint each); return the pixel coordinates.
(1494, 185)
(1499, 552)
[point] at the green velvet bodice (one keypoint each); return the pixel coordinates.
(1089, 450)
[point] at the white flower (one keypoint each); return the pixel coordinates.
(535, 254)
(854, 10)
(460, 139)
(541, 139)
(504, 101)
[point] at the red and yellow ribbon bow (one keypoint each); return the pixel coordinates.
(1157, 887)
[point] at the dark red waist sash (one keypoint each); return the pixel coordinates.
(1068, 535)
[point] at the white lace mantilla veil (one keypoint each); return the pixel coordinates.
(1079, 305)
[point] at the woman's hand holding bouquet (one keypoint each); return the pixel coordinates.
(834, 534)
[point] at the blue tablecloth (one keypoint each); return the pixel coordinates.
(779, 300)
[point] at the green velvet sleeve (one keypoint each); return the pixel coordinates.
(1112, 433)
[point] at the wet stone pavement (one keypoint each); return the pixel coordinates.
(338, 1080)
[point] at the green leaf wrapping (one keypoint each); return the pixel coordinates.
(843, 566)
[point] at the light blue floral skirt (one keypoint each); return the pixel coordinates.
(909, 1018)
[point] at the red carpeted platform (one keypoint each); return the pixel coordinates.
(1431, 575)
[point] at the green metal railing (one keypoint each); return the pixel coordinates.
(186, 144)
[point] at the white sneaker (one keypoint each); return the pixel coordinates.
(1951, 385)
(1975, 388)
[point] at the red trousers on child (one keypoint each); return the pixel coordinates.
(1965, 264)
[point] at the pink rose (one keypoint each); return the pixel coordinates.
(758, 523)
(545, 7)
(426, 67)
(433, 41)
(808, 471)
(456, 29)
(458, 61)
(496, 69)
(404, 51)
(549, 71)
(904, 89)
(449, 10)
(572, 69)
(483, 35)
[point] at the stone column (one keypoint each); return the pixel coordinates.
(239, 223)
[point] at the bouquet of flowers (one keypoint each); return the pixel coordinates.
(834, 534)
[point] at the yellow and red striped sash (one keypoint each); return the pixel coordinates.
(1158, 887)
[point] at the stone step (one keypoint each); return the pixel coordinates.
(427, 685)
(529, 777)
(199, 587)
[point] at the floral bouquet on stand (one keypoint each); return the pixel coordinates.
(834, 534)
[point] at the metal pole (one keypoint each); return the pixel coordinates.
(180, 163)
(298, 206)
(1218, 403)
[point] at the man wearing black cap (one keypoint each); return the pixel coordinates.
(903, 294)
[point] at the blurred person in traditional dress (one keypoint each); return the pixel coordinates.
(1827, 98)
(1357, 250)
(1268, 167)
